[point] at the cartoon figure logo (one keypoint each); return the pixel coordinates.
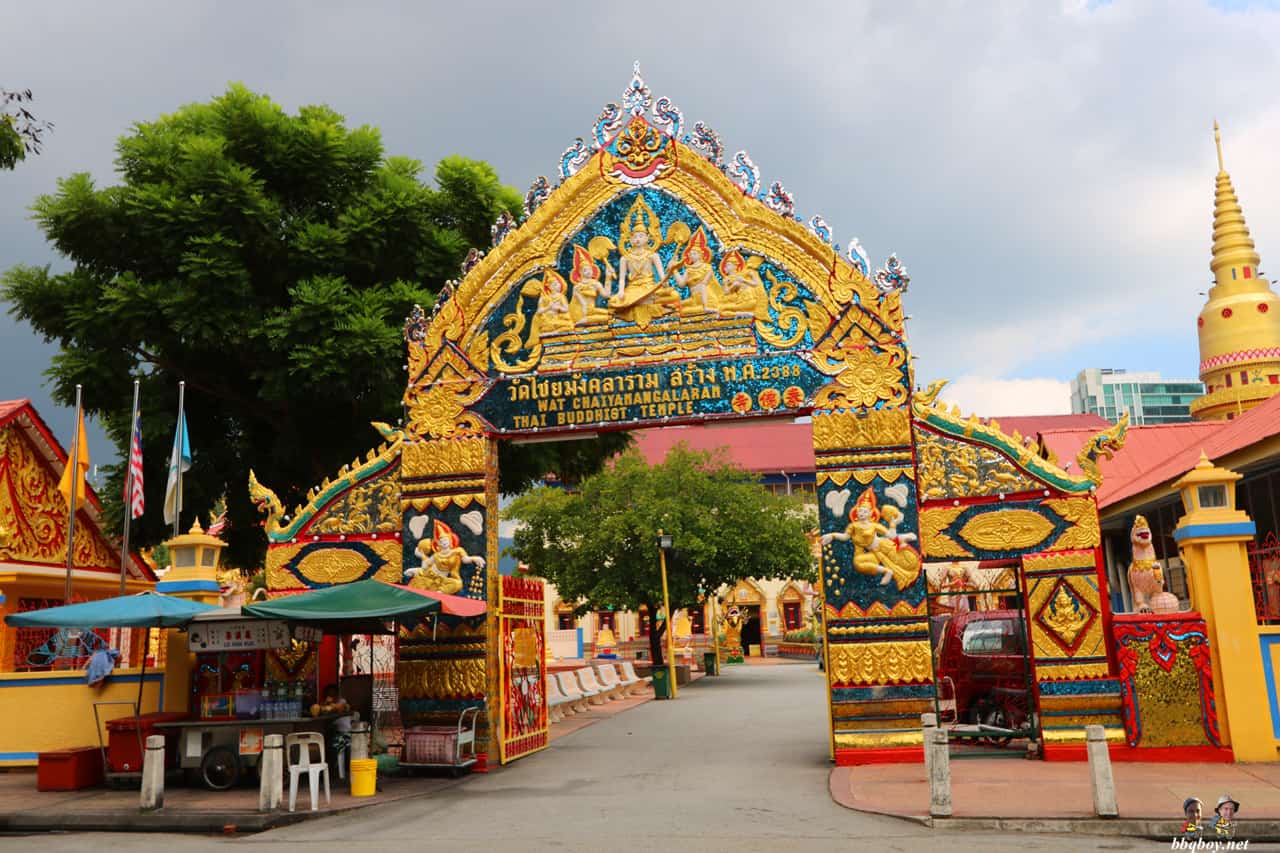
(1224, 825)
(1193, 811)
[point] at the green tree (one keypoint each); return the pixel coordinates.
(599, 544)
(21, 133)
(268, 259)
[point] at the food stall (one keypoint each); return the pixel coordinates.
(252, 678)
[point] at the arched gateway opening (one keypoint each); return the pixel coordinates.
(660, 282)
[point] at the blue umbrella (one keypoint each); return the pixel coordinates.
(144, 610)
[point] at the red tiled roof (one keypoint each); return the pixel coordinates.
(1031, 425)
(10, 407)
(763, 446)
(1227, 437)
(1145, 447)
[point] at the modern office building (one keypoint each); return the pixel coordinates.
(1146, 396)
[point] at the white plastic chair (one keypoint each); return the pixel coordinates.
(304, 741)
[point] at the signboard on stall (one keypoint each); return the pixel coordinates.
(237, 635)
(251, 741)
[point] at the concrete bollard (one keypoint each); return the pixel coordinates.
(1104, 784)
(359, 741)
(152, 794)
(271, 770)
(940, 775)
(928, 722)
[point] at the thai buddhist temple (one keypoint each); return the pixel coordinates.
(33, 537)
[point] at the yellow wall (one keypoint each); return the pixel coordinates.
(1222, 593)
(45, 711)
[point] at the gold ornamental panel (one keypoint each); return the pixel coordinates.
(876, 428)
(442, 457)
(1066, 622)
(881, 740)
(442, 678)
(901, 662)
(1006, 530)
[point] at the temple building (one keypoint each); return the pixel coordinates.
(1239, 325)
(33, 545)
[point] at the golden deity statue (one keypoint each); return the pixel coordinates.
(1064, 618)
(442, 558)
(587, 289)
(553, 314)
(645, 293)
(699, 275)
(744, 292)
(879, 549)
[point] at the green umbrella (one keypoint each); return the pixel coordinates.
(362, 607)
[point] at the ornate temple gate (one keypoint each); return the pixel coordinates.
(657, 283)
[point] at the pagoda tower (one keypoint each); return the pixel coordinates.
(1240, 324)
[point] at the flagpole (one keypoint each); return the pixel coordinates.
(177, 499)
(128, 490)
(74, 461)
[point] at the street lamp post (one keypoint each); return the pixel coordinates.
(665, 541)
(715, 628)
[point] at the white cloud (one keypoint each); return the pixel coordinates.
(987, 397)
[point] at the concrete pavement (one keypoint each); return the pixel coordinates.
(737, 763)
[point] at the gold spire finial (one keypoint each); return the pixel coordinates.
(1217, 141)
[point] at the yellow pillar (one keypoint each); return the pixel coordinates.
(1212, 537)
(194, 576)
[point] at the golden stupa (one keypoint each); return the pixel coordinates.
(1240, 324)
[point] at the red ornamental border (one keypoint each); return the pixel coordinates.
(1164, 634)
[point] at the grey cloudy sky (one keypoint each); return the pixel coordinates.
(1045, 170)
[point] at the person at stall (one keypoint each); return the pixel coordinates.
(339, 732)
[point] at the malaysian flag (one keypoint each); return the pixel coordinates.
(133, 483)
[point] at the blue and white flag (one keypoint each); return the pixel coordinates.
(179, 463)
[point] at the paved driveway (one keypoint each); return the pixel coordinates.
(737, 763)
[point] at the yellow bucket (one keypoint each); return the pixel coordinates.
(364, 777)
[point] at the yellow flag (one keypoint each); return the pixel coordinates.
(76, 469)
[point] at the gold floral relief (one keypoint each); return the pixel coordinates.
(1006, 530)
(424, 503)
(463, 455)
(34, 514)
(863, 377)
(1083, 515)
(901, 662)
(877, 610)
(952, 468)
(933, 540)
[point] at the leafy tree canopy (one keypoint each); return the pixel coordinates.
(268, 260)
(599, 545)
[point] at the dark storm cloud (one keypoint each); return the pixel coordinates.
(1044, 171)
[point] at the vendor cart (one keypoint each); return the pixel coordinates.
(451, 748)
(215, 753)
